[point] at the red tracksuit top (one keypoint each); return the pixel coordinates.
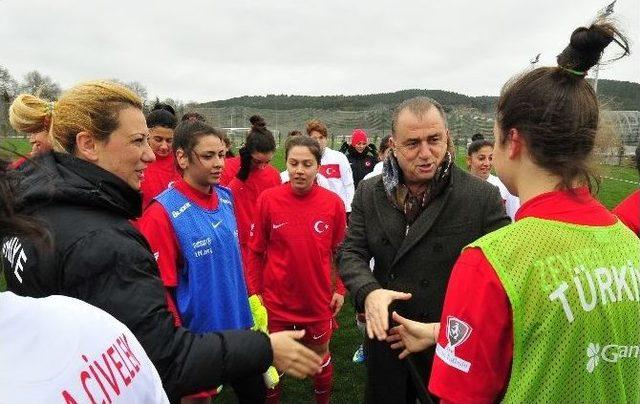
(292, 245)
(245, 196)
(231, 168)
(476, 296)
(157, 177)
(628, 211)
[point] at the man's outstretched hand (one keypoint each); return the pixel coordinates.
(376, 310)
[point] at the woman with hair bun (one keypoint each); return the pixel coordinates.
(479, 163)
(85, 193)
(253, 175)
(36, 127)
(545, 309)
(161, 122)
(263, 147)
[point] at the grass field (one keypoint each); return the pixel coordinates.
(12, 146)
(349, 377)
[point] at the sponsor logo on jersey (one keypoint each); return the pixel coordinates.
(278, 225)
(609, 353)
(330, 170)
(215, 225)
(457, 333)
(181, 210)
(202, 243)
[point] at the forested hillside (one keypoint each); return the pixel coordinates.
(618, 95)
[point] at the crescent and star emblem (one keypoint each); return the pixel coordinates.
(320, 227)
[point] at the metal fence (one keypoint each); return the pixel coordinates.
(622, 136)
(622, 128)
(462, 122)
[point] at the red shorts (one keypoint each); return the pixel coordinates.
(317, 333)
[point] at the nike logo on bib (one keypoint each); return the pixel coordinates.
(215, 225)
(279, 225)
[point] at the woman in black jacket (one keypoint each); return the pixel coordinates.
(85, 193)
(362, 155)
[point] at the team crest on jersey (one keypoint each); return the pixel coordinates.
(457, 333)
(320, 226)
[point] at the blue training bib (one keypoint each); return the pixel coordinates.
(211, 294)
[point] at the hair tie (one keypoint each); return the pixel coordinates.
(50, 106)
(576, 72)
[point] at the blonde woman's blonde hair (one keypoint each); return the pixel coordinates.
(88, 107)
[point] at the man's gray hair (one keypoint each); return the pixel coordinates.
(418, 106)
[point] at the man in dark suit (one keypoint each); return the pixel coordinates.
(414, 219)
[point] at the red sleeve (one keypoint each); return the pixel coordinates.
(225, 178)
(146, 193)
(230, 170)
(628, 211)
(340, 225)
(156, 227)
(276, 179)
(171, 305)
(17, 163)
(258, 240)
(478, 368)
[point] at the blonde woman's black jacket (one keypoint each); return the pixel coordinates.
(100, 258)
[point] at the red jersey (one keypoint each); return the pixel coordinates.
(231, 168)
(14, 165)
(628, 211)
(292, 245)
(157, 178)
(156, 226)
(476, 296)
(245, 195)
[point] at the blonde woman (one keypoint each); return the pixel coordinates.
(85, 193)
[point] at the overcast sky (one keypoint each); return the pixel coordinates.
(209, 49)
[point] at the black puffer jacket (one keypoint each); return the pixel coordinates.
(361, 163)
(99, 257)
